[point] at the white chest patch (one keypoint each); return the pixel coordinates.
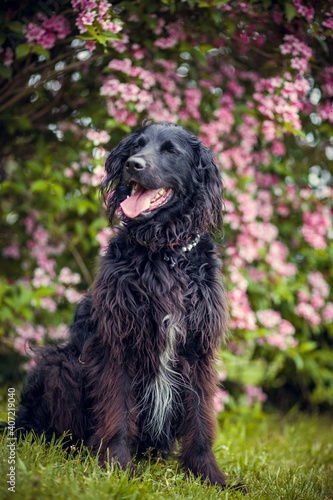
(162, 395)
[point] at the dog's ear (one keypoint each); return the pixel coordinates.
(114, 166)
(211, 189)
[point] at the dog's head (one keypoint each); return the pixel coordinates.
(164, 172)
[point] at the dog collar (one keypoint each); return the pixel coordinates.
(186, 248)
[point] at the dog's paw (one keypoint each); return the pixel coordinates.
(239, 486)
(120, 457)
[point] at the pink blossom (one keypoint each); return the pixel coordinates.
(278, 149)
(33, 32)
(248, 206)
(255, 274)
(269, 130)
(307, 312)
(248, 248)
(9, 57)
(91, 45)
(41, 278)
(98, 174)
(165, 43)
(98, 136)
(103, 238)
(48, 303)
(123, 65)
(319, 284)
(67, 277)
(73, 296)
(68, 172)
(254, 393)
(103, 8)
(59, 332)
(283, 210)
(12, 251)
(328, 312)
(277, 340)
(48, 40)
(220, 398)
(113, 26)
(276, 257)
(242, 316)
(286, 328)
(269, 318)
(307, 12)
(85, 178)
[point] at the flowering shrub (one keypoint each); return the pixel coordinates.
(255, 82)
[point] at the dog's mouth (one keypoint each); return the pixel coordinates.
(143, 200)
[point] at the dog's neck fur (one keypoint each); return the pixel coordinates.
(172, 236)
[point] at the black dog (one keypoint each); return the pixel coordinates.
(137, 371)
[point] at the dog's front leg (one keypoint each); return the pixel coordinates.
(114, 423)
(198, 432)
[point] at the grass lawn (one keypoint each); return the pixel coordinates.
(277, 457)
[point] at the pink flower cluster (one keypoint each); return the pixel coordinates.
(303, 10)
(159, 105)
(175, 34)
(8, 57)
(281, 331)
(242, 316)
(280, 100)
(276, 258)
(219, 127)
(92, 12)
(97, 136)
(68, 278)
(25, 334)
(254, 393)
(48, 31)
(299, 51)
(220, 398)
(103, 238)
(40, 247)
(317, 226)
(312, 301)
(11, 251)
(328, 22)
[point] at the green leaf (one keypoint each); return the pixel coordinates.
(21, 465)
(288, 127)
(6, 313)
(16, 26)
(40, 185)
(5, 72)
(290, 11)
(57, 189)
(307, 346)
(40, 51)
(109, 35)
(22, 50)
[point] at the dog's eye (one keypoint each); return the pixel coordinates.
(168, 148)
(168, 151)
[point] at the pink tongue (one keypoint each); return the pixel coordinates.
(138, 202)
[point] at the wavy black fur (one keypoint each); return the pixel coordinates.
(137, 370)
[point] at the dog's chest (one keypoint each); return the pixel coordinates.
(162, 394)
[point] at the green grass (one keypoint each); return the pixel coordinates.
(276, 457)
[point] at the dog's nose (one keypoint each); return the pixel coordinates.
(136, 163)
